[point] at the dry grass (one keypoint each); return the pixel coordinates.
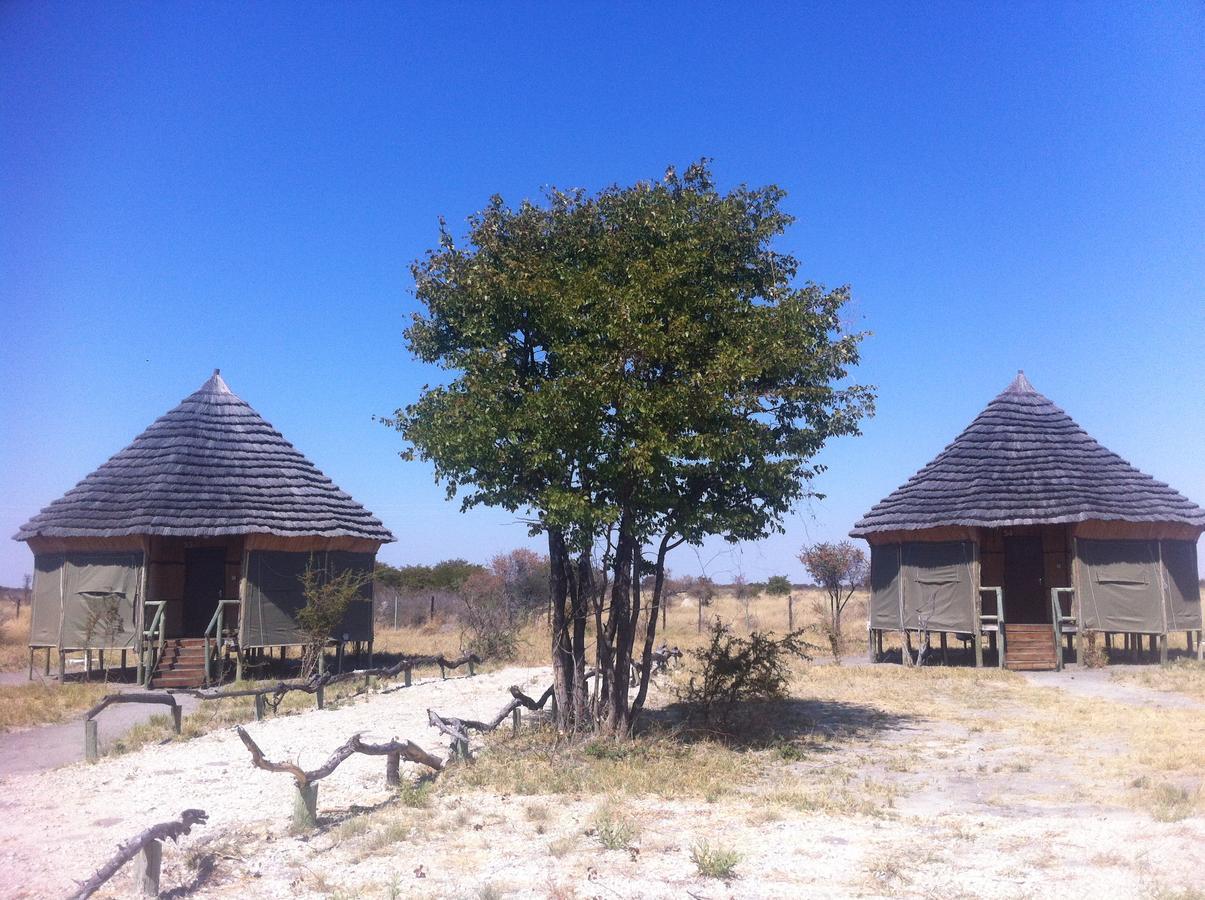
(35, 703)
(1182, 676)
(215, 714)
(14, 641)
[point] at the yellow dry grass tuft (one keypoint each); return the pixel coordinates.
(14, 641)
(37, 703)
(1182, 676)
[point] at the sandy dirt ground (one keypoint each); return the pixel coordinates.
(977, 818)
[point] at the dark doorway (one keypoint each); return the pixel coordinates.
(1024, 581)
(204, 579)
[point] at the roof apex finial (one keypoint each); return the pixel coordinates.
(1020, 385)
(215, 384)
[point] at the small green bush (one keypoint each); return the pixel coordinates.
(615, 832)
(714, 862)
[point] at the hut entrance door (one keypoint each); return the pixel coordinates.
(1024, 587)
(204, 577)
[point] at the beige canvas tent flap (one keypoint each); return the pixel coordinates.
(274, 596)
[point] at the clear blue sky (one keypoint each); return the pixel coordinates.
(191, 185)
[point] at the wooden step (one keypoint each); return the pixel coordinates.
(1030, 648)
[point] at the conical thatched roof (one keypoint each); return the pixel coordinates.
(211, 466)
(1024, 461)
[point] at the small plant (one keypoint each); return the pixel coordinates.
(733, 669)
(416, 795)
(839, 569)
(327, 597)
(714, 862)
(613, 831)
(1094, 657)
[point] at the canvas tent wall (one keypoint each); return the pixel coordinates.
(86, 600)
(929, 584)
(274, 594)
(1138, 586)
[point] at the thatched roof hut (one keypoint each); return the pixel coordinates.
(200, 527)
(1025, 505)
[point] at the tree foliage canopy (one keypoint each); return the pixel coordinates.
(641, 349)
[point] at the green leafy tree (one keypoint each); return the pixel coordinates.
(634, 370)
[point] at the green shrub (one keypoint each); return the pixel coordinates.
(732, 669)
(714, 862)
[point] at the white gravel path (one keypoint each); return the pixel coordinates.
(56, 827)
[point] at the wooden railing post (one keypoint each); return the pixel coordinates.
(147, 866)
(91, 745)
(305, 807)
(516, 720)
(393, 763)
(177, 718)
(259, 707)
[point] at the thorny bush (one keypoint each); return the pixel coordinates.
(733, 669)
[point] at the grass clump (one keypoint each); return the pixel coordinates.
(714, 862)
(614, 830)
(1165, 802)
(655, 763)
(415, 794)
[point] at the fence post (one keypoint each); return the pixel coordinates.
(91, 750)
(516, 720)
(305, 807)
(259, 707)
(472, 668)
(408, 676)
(320, 695)
(393, 763)
(177, 718)
(147, 866)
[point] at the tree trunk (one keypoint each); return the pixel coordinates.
(616, 717)
(583, 589)
(650, 634)
(562, 649)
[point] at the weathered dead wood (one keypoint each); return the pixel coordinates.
(353, 745)
(406, 749)
(458, 729)
(130, 697)
(313, 685)
(163, 831)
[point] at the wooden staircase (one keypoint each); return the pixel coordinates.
(1029, 647)
(182, 664)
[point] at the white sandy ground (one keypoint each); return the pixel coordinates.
(951, 833)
